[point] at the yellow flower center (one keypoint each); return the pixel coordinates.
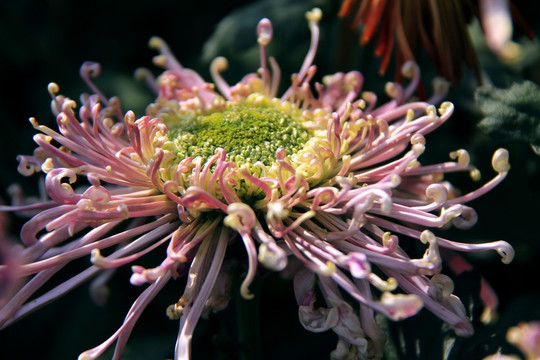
(250, 131)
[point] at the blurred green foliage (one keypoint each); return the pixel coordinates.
(512, 114)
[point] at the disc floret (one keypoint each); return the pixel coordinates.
(249, 131)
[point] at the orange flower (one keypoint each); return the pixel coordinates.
(439, 27)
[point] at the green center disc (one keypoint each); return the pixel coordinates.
(247, 132)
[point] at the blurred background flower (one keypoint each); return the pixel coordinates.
(439, 28)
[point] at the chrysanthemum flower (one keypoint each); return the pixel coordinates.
(438, 28)
(321, 176)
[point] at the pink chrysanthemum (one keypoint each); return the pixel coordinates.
(321, 176)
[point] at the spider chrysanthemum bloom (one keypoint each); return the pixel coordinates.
(322, 176)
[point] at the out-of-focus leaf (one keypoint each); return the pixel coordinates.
(235, 34)
(511, 114)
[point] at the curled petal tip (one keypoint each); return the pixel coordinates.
(418, 139)
(391, 89)
(500, 161)
(427, 237)
(90, 68)
(395, 180)
(409, 69)
(437, 192)
(53, 88)
(273, 257)
(174, 311)
(462, 156)
(219, 64)
(446, 108)
(431, 110)
(160, 60)
(244, 291)
(156, 42)
(475, 174)
(315, 15)
(506, 251)
(418, 149)
(264, 32)
(241, 217)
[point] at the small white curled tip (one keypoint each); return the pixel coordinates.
(389, 240)
(90, 69)
(409, 69)
(418, 149)
(160, 60)
(272, 257)
(395, 180)
(386, 203)
(53, 89)
(392, 89)
(157, 43)
(462, 156)
(451, 213)
(368, 96)
(437, 192)
(96, 258)
(418, 142)
(409, 116)
(506, 251)
(431, 110)
(129, 118)
(418, 139)
(427, 237)
(383, 127)
(446, 108)
(47, 166)
(174, 311)
(34, 123)
(500, 161)
(275, 209)
(315, 15)
(160, 45)
(244, 290)
(240, 217)
(264, 32)
(468, 219)
(475, 174)
(219, 65)
(390, 284)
